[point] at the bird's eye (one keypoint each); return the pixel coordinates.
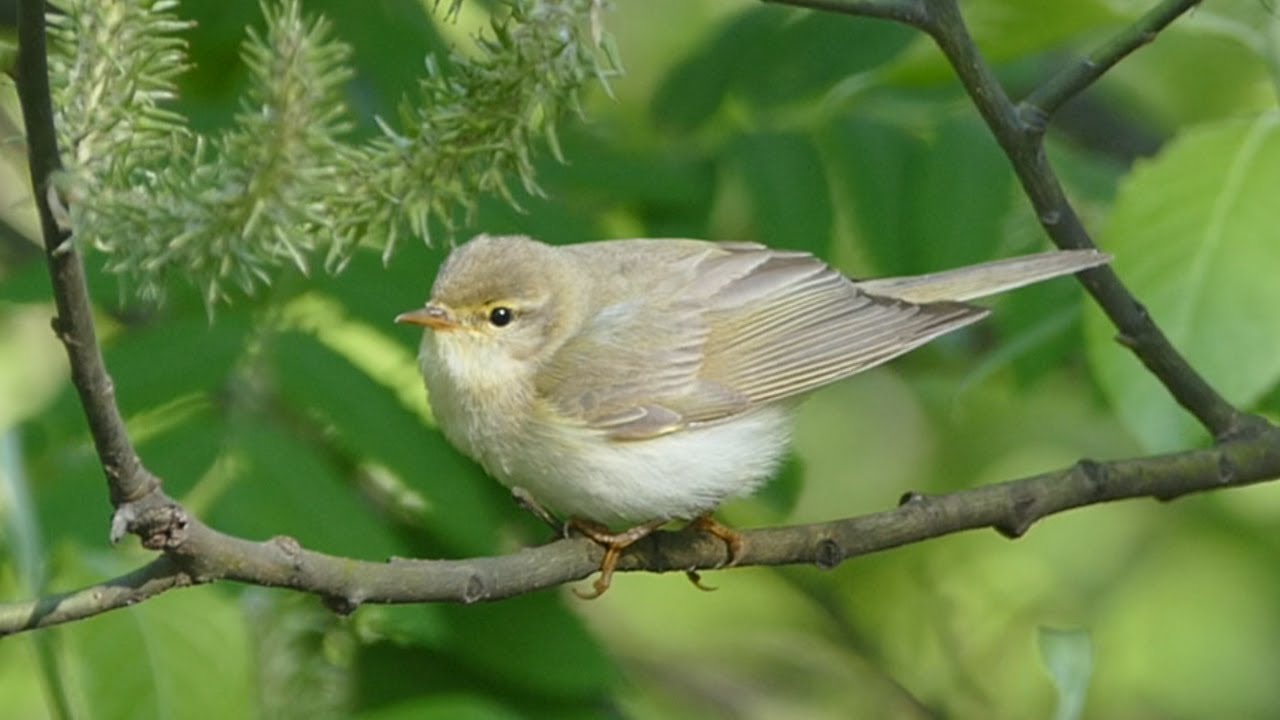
(501, 316)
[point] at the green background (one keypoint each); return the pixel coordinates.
(299, 412)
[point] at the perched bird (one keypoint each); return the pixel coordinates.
(629, 383)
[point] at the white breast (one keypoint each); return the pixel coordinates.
(680, 475)
(577, 471)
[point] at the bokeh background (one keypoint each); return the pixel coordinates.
(299, 411)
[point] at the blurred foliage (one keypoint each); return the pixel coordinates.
(298, 410)
(282, 184)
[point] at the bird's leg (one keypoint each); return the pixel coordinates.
(536, 509)
(614, 544)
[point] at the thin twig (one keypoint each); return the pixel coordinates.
(142, 584)
(1041, 104)
(1021, 136)
(1025, 148)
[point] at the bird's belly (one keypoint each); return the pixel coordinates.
(579, 472)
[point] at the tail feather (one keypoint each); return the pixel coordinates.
(986, 279)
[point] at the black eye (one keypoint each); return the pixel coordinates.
(500, 316)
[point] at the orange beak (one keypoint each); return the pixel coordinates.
(432, 316)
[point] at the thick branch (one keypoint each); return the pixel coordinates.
(128, 480)
(205, 555)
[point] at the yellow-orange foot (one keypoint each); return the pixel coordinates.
(614, 544)
(733, 540)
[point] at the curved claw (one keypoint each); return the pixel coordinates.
(614, 544)
(696, 579)
(734, 542)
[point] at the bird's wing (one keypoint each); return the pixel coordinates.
(731, 327)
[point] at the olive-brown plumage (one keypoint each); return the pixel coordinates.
(635, 381)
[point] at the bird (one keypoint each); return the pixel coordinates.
(631, 383)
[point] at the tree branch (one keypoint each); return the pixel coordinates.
(134, 490)
(909, 12)
(1041, 104)
(144, 583)
(1021, 136)
(201, 554)
(1248, 449)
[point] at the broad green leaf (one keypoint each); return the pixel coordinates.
(184, 654)
(528, 652)
(668, 188)
(694, 90)
(872, 164)
(1195, 73)
(180, 355)
(807, 56)
(390, 41)
(545, 650)
(295, 484)
(366, 421)
(1068, 658)
(923, 204)
(1194, 235)
(787, 187)
(443, 707)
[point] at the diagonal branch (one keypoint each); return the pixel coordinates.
(201, 554)
(1021, 136)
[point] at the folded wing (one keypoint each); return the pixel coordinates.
(731, 326)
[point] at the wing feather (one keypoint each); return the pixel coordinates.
(729, 327)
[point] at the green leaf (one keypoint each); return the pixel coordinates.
(1194, 238)
(178, 356)
(806, 57)
(184, 654)
(695, 89)
(444, 707)
(795, 57)
(390, 41)
(923, 204)
(293, 485)
(528, 652)
(370, 423)
(787, 187)
(1068, 658)
(546, 650)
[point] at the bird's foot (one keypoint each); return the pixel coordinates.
(614, 544)
(733, 540)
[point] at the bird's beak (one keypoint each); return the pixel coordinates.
(432, 316)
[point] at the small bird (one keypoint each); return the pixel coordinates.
(629, 383)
